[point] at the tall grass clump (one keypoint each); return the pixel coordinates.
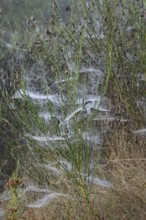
(76, 113)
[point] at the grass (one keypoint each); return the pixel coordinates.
(109, 36)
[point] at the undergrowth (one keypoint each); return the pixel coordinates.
(96, 168)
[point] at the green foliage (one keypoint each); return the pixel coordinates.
(107, 35)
